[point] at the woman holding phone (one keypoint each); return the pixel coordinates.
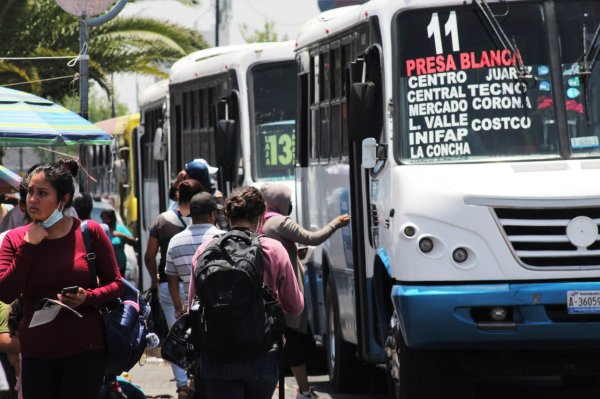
(62, 358)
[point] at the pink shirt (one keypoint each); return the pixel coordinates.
(278, 275)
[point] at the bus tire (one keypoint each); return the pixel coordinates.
(342, 364)
(413, 373)
(579, 381)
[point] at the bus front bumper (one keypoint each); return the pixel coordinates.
(460, 316)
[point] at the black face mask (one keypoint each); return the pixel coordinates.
(290, 210)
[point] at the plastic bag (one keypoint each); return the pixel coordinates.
(157, 319)
(177, 347)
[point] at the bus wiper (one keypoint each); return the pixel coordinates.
(523, 72)
(586, 67)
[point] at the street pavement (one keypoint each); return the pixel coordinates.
(155, 378)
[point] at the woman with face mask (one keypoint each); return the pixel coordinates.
(63, 357)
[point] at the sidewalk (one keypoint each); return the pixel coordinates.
(155, 377)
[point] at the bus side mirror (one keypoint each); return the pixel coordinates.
(224, 141)
(227, 145)
(369, 153)
(159, 149)
(361, 110)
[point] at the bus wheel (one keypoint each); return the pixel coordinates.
(342, 364)
(579, 381)
(412, 374)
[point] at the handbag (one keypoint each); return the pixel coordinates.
(177, 348)
(157, 320)
(124, 319)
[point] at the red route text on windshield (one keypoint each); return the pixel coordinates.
(464, 61)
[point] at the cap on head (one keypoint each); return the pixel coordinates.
(198, 171)
(211, 169)
(202, 204)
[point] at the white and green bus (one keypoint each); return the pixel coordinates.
(235, 107)
(464, 139)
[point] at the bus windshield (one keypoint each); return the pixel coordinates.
(273, 88)
(465, 95)
(578, 23)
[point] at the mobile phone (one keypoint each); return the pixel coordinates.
(69, 290)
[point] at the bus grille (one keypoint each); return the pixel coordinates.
(538, 236)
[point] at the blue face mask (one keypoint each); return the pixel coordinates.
(53, 219)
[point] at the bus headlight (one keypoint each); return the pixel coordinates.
(460, 255)
(409, 231)
(426, 245)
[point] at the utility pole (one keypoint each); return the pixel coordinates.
(83, 9)
(217, 22)
(83, 67)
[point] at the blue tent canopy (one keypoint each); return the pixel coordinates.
(27, 120)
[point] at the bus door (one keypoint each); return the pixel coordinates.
(365, 120)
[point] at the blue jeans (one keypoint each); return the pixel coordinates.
(249, 379)
(166, 302)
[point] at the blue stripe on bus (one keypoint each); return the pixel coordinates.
(382, 253)
(440, 316)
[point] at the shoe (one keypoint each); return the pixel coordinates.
(310, 395)
(185, 392)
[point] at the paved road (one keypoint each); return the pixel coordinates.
(155, 379)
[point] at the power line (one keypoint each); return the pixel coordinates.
(75, 76)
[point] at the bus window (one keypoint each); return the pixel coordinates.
(336, 80)
(336, 132)
(461, 96)
(274, 100)
(325, 134)
(325, 83)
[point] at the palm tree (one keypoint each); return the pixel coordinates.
(39, 28)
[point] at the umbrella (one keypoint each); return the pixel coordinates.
(28, 120)
(9, 180)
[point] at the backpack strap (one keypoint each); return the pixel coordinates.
(181, 218)
(90, 255)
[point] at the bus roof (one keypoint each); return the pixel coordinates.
(156, 92)
(119, 125)
(333, 21)
(220, 59)
(327, 23)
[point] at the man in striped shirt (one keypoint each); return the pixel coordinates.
(183, 246)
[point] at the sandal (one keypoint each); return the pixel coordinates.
(185, 392)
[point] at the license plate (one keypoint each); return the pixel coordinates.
(583, 302)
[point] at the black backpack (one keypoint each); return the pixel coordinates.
(234, 316)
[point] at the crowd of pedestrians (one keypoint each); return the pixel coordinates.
(42, 252)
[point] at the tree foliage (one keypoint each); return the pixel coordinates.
(267, 34)
(39, 28)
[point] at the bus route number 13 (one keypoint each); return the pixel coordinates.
(279, 149)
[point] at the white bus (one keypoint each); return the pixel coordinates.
(463, 138)
(235, 106)
(151, 182)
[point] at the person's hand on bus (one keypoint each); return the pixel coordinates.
(343, 220)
